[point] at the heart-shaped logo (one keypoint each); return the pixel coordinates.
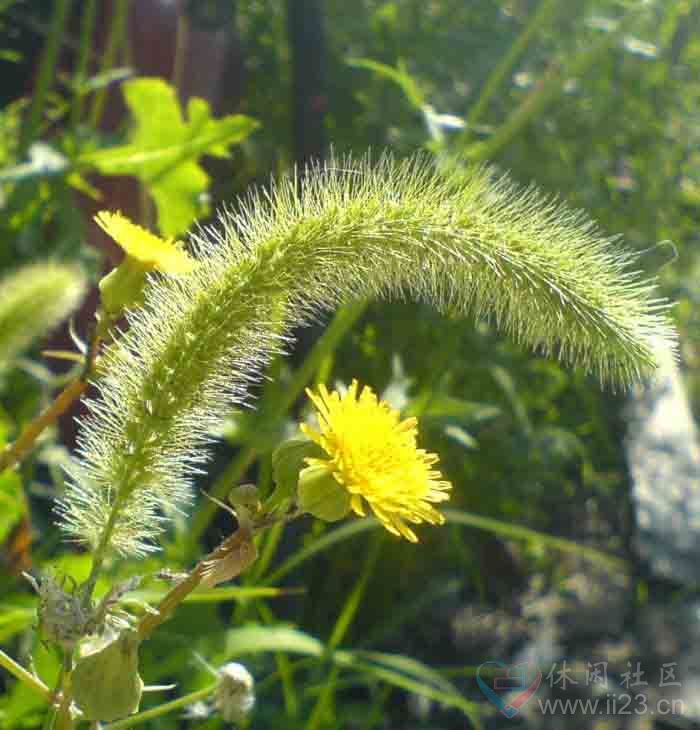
(517, 682)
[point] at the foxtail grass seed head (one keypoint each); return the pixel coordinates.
(373, 458)
(34, 300)
(461, 240)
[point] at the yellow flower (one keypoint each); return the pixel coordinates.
(144, 247)
(373, 454)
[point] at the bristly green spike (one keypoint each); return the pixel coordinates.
(33, 300)
(461, 240)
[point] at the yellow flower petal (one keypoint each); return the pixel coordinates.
(143, 246)
(373, 454)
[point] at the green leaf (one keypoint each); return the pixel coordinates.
(320, 494)
(408, 674)
(510, 531)
(288, 461)
(255, 638)
(469, 412)
(214, 595)
(397, 670)
(399, 76)
(163, 149)
(17, 614)
(12, 504)
(21, 707)
(506, 530)
(321, 544)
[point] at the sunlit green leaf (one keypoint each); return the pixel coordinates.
(164, 148)
(12, 504)
(398, 75)
(254, 639)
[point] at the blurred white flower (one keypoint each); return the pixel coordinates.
(235, 695)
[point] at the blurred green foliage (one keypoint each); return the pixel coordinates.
(595, 101)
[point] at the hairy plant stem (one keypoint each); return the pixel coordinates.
(455, 237)
(100, 553)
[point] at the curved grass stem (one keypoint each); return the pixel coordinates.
(23, 675)
(541, 17)
(164, 709)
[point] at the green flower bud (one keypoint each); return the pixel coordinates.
(246, 497)
(320, 494)
(123, 287)
(106, 683)
(288, 460)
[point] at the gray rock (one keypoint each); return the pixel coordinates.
(663, 453)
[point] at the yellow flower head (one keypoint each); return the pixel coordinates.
(142, 246)
(373, 454)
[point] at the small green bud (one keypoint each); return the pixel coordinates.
(123, 287)
(106, 683)
(288, 460)
(246, 497)
(320, 494)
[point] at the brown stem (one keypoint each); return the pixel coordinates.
(171, 600)
(231, 554)
(15, 452)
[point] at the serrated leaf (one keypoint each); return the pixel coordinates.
(163, 149)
